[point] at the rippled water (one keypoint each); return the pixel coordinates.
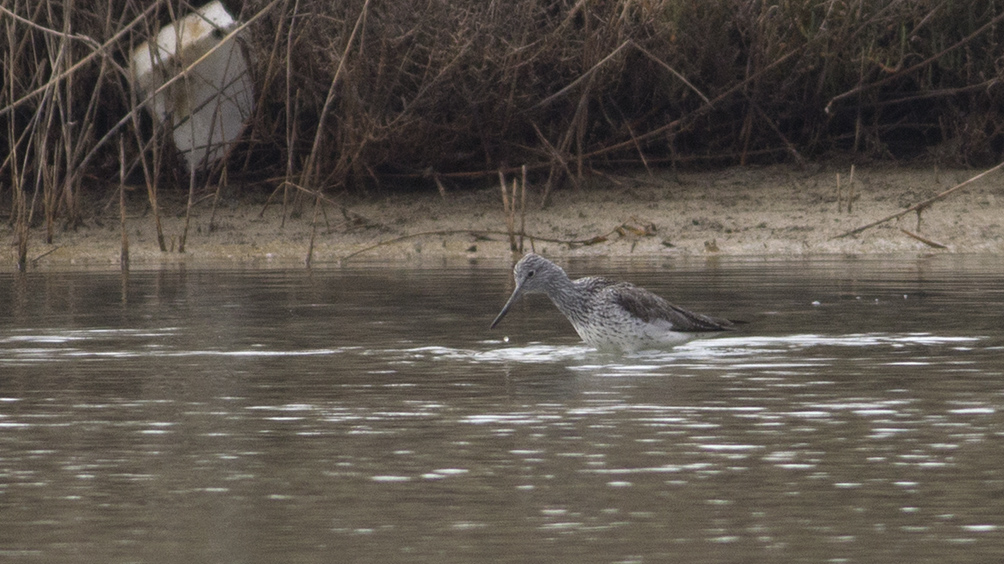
(368, 415)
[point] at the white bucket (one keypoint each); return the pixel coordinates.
(208, 106)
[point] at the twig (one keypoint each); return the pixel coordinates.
(34, 261)
(920, 206)
(924, 240)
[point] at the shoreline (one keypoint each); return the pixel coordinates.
(772, 211)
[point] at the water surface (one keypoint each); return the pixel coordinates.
(367, 414)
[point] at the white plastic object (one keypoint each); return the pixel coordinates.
(208, 106)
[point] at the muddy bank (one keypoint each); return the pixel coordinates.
(777, 210)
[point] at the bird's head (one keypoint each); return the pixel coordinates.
(532, 274)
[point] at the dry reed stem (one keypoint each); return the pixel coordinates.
(216, 196)
(124, 254)
(308, 172)
(150, 174)
(679, 122)
(101, 50)
(313, 231)
(840, 207)
(510, 209)
(672, 71)
(784, 139)
(850, 191)
(183, 238)
(557, 159)
(507, 210)
(585, 76)
(522, 211)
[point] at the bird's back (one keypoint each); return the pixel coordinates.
(611, 314)
(649, 307)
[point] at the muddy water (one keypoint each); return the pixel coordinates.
(367, 415)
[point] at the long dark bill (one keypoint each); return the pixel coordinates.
(505, 309)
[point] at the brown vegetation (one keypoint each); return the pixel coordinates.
(363, 93)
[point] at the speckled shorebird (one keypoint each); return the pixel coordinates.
(608, 314)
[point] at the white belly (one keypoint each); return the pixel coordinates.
(635, 336)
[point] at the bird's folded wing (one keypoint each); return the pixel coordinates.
(649, 307)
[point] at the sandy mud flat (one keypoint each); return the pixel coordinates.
(765, 211)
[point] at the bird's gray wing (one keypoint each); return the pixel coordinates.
(649, 307)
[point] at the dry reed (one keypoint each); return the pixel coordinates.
(513, 203)
(369, 94)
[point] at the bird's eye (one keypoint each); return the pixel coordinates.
(529, 274)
